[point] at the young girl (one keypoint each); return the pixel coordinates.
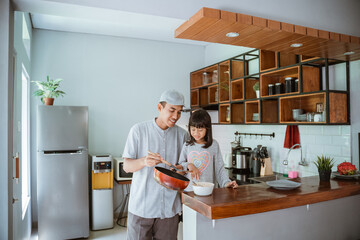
(201, 154)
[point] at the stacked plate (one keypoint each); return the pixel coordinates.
(338, 175)
(283, 184)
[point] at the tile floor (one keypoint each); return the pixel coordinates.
(118, 233)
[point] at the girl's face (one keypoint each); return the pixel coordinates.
(198, 134)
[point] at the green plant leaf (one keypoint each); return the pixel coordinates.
(48, 88)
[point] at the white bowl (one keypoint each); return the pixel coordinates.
(203, 188)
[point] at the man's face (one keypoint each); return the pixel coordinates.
(169, 115)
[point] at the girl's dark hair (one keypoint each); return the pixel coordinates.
(200, 119)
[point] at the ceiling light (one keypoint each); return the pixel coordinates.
(349, 53)
(296, 45)
(232, 34)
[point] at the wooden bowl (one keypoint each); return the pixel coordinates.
(170, 179)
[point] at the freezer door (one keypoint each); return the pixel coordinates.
(62, 127)
(63, 195)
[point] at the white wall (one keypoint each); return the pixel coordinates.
(6, 89)
(334, 141)
(120, 79)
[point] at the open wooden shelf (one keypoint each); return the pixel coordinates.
(237, 90)
(337, 108)
(252, 107)
(213, 94)
(203, 95)
(224, 113)
(197, 78)
(249, 83)
(287, 59)
(224, 81)
(307, 102)
(194, 97)
(268, 60)
(270, 111)
(310, 79)
(237, 113)
(238, 68)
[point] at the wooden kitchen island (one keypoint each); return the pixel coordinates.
(312, 211)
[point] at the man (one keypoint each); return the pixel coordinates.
(153, 209)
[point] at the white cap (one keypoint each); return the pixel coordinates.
(172, 97)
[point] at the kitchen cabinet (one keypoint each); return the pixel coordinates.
(249, 211)
(227, 86)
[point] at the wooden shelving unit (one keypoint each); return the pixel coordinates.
(237, 90)
(269, 111)
(194, 95)
(224, 81)
(237, 113)
(213, 94)
(249, 84)
(224, 113)
(238, 68)
(268, 60)
(231, 91)
(252, 107)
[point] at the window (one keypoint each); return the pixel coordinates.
(25, 141)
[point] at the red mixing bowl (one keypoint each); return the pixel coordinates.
(170, 179)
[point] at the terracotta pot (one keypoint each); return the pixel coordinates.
(49, 101)
(324, 175)
(170, 179)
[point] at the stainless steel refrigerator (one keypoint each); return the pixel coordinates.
(62, 172)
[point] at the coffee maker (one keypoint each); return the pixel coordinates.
(240, 157)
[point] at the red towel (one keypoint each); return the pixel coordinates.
(292, 136)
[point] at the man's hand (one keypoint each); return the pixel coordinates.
(152, 159)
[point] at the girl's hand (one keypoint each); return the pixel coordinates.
(232, 184)
(180, 167)
(195, 173)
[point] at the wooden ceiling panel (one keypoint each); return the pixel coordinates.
(212, 25)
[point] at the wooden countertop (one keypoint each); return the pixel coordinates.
(258, 198)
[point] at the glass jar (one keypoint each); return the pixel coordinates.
(205, 78)
(289, 85)
(214, 77)
(216, 95)
(279, 88)
(227, 119)
(271, 89)
(296, 85)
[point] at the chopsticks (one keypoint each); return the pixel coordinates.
(167, 163)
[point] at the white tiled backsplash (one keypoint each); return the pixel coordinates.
(332, 141)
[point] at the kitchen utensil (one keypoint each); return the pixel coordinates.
(170, 179)
(203, 188)
(296, 113)
(241, 158)
(169, 164)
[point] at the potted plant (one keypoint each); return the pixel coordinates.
(324, 165)
(48, 90)
(256, 88)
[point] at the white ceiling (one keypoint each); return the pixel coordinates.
(158, 19)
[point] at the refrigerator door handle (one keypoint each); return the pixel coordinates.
(64, 152)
